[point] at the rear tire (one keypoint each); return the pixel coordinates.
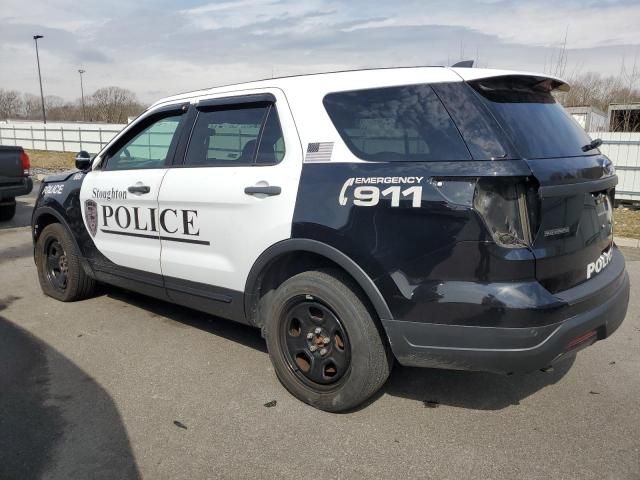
(323, 341)
(7, 212)
(60, 273)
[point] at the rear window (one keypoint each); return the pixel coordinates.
(536, 124)
(405, 123)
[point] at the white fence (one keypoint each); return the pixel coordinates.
(624, 151)
(58, 137)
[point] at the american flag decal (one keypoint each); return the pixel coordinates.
(319, 152)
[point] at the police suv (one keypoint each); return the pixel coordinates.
(441, 217)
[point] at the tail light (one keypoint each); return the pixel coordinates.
(26, 164)
(505, 209)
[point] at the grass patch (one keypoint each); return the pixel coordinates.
(53, 160)
(627, 222)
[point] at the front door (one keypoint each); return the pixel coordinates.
(119, 198)
(233, 196)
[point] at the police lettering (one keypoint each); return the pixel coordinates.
(170, 220)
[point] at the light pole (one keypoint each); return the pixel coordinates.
(84, 116)
(44, 115)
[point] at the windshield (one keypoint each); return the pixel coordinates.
(536, 124)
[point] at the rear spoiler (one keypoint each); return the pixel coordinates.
(535, 80)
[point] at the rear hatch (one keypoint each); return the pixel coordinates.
(572, 225)
(11, 171)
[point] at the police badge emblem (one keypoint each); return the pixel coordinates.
(91, 216)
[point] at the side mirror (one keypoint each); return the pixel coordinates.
(83, 160)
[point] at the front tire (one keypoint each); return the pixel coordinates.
(323, 341)
(59, 271)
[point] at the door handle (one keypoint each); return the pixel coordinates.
(139, 189)
(264, 190)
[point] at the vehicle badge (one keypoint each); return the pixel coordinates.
(91, 216)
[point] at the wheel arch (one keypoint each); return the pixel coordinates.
(320, 251)
(44, 216)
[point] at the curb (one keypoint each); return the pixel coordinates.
(627, 242)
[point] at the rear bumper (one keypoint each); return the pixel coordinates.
(593, 311)
(15, 190)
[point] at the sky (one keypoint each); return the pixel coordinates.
(158, 48)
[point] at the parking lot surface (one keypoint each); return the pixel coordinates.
(123, 386)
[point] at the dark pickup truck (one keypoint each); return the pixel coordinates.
(14, 179)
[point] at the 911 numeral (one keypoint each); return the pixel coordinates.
(368, 196)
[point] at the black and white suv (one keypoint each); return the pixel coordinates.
(442, 217)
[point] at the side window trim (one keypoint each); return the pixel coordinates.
(141, 124)
(265, 119)
(188, 124)
(237, 100)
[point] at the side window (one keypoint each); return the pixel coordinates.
(405, 123)
(236, 135)
(148, 148)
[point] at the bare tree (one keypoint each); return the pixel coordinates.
(114, 104)
(629, 120)
(592, 89)
(31, 106)
(557, 65)
(110, 104)
(10, 103)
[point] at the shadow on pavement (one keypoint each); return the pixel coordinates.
(472, 390)
(13, 253)
(55, 420)
(234, 331)
(24, 208)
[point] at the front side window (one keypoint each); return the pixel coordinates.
(147, 149)
(405, 123)
(236, 135)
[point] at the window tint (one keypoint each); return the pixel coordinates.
(147, 149)
(535, 123)
(479, 129)
(236, 136)
(407, 123)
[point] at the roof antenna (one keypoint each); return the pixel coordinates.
(463, 64)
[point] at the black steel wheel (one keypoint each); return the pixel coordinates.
(57, 266)
(60, 273)
(318, 349)
(323, 340)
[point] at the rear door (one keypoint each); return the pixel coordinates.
(233, 195)
(119, 199)
(572, 215)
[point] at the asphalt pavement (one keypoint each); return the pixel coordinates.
(122, 386)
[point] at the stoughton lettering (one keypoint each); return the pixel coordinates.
(112, 194)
